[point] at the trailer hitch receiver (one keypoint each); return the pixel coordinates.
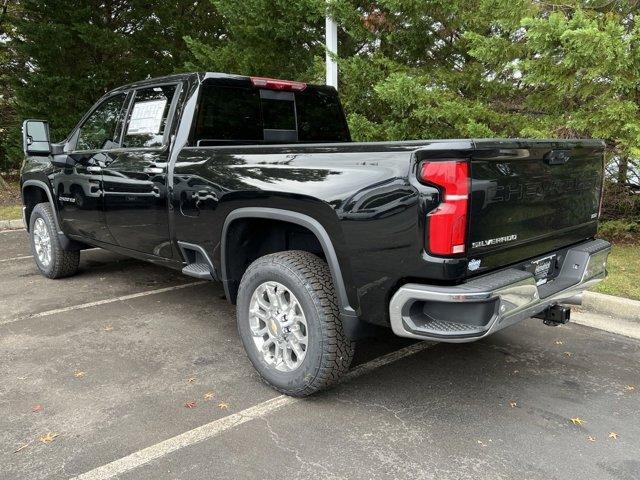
(555, 315)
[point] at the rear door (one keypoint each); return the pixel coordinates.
(531, 197)
(135, 179)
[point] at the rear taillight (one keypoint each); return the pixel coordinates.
(274, 84)
(447, 229)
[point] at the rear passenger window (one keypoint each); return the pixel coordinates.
(246, 115)
(148, 118)
(228, 114)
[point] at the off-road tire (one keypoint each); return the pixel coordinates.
(329, 352)
(63, 263)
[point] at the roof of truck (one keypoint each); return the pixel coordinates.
(201, 76)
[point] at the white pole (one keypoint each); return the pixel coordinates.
(332, 49)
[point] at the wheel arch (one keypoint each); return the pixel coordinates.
(295, 218)
(34, 192)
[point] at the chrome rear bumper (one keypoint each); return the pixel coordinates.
(484, 305)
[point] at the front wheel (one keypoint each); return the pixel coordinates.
(289, 323)
(51, 259)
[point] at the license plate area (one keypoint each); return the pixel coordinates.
(544, 269)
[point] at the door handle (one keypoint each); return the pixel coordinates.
(153, 170)
(94, 169)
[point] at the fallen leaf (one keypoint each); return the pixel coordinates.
(37, 408)
(567, 354)
(513, 404)
(630, 388)
(577, 421)
(48, 438)
(223, 406)
(22, 447)
(191, 379)
(191, 404)
(208, 396)
(79, 374)
(559, 342)
(108, 328)
(591, 439)
(613, 435)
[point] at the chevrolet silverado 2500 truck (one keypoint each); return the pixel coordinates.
(256, 183)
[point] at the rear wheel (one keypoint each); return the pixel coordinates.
(289, 323)
(51, 259)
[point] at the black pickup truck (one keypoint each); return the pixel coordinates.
(255, 183)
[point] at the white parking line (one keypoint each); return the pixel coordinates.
(217, 427)
(103, 302)
(15, 258)
(31, 256)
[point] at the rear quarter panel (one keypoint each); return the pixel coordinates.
(364, 195)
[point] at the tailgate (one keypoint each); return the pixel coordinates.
(531, 197)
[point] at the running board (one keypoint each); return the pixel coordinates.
(198, 270)
(198, 263)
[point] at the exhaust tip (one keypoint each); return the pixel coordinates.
(575, 300)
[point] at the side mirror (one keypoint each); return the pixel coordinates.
(35, 137)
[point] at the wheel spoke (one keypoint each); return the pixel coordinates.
(297, 348)
(259, 332)
(262, 303)
(262, 315)
(271, 293)
(288, 359)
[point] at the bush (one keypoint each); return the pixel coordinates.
(620, 203)
(621, 231)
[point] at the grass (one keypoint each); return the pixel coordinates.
(10, 212)
(624, 272)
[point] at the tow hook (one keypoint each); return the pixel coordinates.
(555, 315)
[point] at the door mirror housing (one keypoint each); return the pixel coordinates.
(35, 137)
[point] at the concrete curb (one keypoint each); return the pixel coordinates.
(613, 306)
(11, 224)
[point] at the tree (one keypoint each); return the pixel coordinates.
(277, 38)
(67, 53)
(576, 68)
(7, 67)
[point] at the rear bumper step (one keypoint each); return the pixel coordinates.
(484, 305)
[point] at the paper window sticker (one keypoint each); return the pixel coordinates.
(146, 118)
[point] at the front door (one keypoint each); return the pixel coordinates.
(135, 179)
(79, 187)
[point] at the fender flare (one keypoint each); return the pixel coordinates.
(42, 185)
(65, 242)
(300, 219)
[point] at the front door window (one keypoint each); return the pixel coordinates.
(101, 131)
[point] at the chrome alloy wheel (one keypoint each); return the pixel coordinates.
(278, 326)
(42, 242)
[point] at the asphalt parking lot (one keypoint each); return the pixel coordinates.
(98, 373)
